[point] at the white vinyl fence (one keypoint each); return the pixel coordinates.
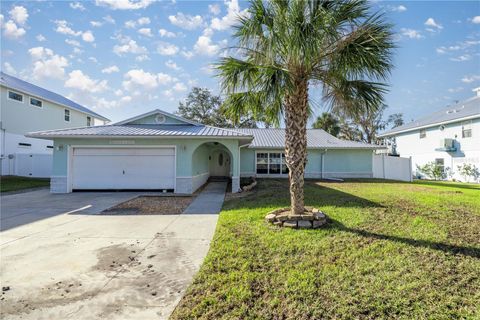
(28, 165)
(393, 168)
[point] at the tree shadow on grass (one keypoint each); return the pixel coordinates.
(468, 251)
(447, 184)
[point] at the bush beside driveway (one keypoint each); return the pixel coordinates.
(391, 250)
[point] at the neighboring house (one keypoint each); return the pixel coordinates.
(449, 137)
(26, 108)
(162, 151)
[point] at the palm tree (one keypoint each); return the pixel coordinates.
(287, 46)
(327, 122)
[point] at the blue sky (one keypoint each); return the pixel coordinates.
(125, 57)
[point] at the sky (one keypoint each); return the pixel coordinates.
(122, 58)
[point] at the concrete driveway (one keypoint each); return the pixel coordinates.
(62, 261)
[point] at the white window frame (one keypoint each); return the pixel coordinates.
(21, 94)
(65, 114)
(30, 102)
(89, 121)
(282, 162)
(468, 124)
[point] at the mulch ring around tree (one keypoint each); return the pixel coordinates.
(312, 219)
(150, 205)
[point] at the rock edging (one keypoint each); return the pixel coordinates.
(312, 219)
(250, 186)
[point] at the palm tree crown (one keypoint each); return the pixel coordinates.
(287, 46)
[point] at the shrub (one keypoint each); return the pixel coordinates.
(468, 170)
(433, 171)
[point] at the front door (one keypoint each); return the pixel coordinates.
(220, 164)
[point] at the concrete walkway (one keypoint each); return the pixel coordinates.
(81, 265)
(210, 200)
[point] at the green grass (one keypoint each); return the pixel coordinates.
(391, 251)
(12, 183)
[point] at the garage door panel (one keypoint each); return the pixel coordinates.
(132, 168)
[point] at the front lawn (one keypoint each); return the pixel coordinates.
(391, 251)
(13, 183)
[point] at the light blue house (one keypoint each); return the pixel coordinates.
(162, 151)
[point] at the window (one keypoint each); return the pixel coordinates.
(284, 165)
(440, 162)
(423, 133)
(467, 129)
(24, 145)
(275, 163)
(262, 163)
(67, 115)
(15, 96)
(89, 121)
(271, 163)
(36, 102)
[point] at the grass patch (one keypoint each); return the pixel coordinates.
(13, 183)
(392, 250)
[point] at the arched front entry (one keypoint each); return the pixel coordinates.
(213, 159)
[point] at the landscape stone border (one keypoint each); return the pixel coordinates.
(312, 219)
(250, 186)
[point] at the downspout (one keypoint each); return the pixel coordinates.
(322, 158)
(240, 157)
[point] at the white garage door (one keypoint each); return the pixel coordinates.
(123, 168)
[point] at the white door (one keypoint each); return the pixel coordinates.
(220, 164)
(123, 168)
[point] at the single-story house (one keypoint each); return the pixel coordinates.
(162, 151)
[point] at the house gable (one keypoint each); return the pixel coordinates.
(158, 117)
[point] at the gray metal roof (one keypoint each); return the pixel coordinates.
(31, 89)
(316, 139)
(462, 110)
(140, 130)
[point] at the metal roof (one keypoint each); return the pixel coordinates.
(139, 130)
(31, 89)
(468, 109)
(316, 139)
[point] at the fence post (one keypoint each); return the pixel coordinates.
(410, 177)
(383, 165)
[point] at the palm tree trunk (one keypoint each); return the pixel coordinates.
(296, 116)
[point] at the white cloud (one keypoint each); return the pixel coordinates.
(400, 8)
(142, 57)
(187, 22)
(72, 42)
(463, 57)
(172, 65)
(470, 79)
(79, 81)
(124, 4)
(187, 54)
(47, 64)
(129, 46)
(179, 87)
(77, 6)
(166, 34)
(431, 23)
(167, 49)
(205, 46)
(455, 90)
(63, 28)
(87, 36)
(476, 19)
(12, 31)
(9, 69)
(233, 12)
(139, 79)
(118, 92)
(143, 21)
(411, 33)
(130, 24)
(96, 24)
(109, 19)
(93, 59)
(40, 38)
(214, 9)
(145, 31)
(19, 14)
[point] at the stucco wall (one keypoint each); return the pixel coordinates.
(338, 163)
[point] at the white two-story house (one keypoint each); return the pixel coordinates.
(449, 137)
(25, 107)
